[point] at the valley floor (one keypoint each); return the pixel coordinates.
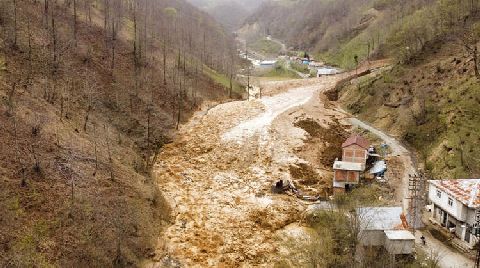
(218, 176)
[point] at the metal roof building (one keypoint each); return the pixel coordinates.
(385, 226)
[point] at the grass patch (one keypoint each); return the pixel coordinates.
(223, 80)
(279, 71)
(344, 57)
(370, 195)
(300, 67)
(266, 46)
(448, 137)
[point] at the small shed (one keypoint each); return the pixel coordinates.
(326, 72)
(375, 220)
(385, 227)
(399, 242)
(268, 63)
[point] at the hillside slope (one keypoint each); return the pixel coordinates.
(337, 31)
(432, 104)
(429, 97)
(90, 91)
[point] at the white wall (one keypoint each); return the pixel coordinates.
(399, 246)
(471, 216)
(457, 210)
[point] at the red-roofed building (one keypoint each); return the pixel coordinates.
(354, 158)
(456, 206)
(355, 150)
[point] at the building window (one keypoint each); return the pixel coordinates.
(450, 202)
(439, 194)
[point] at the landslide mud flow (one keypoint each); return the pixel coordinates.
(218, 175)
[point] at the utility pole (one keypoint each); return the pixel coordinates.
(248, 71)
(416, 188)
(475, 231)
(412, 204)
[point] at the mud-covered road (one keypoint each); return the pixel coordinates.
(218, 175)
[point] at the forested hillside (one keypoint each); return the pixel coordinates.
(337, 30)
(90, 91)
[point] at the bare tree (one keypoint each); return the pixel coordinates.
(469, 38)
(109, 151)
(10, 100)
(54, 37)
(30, 49)
(90, 104)
(45, 11)
(75, 22)
(15, 24)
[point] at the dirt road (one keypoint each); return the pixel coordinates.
(218, 177)
(398, 150)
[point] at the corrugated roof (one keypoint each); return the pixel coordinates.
(466, 191)
(341, 165)
(380, 218)
(358, 140)
(268, 62)
(378, 167)
(399, 235)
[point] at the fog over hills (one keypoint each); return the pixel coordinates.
(231, 13)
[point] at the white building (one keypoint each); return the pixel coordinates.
(268, 63)
(455, 206)
(399, 242)
(385, 227)
(326, 71)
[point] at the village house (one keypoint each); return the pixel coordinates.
(385, 227)
(355, 149)
(347, 172)
(456, 207)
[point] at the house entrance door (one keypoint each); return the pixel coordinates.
(467, 235)
(444, 218)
